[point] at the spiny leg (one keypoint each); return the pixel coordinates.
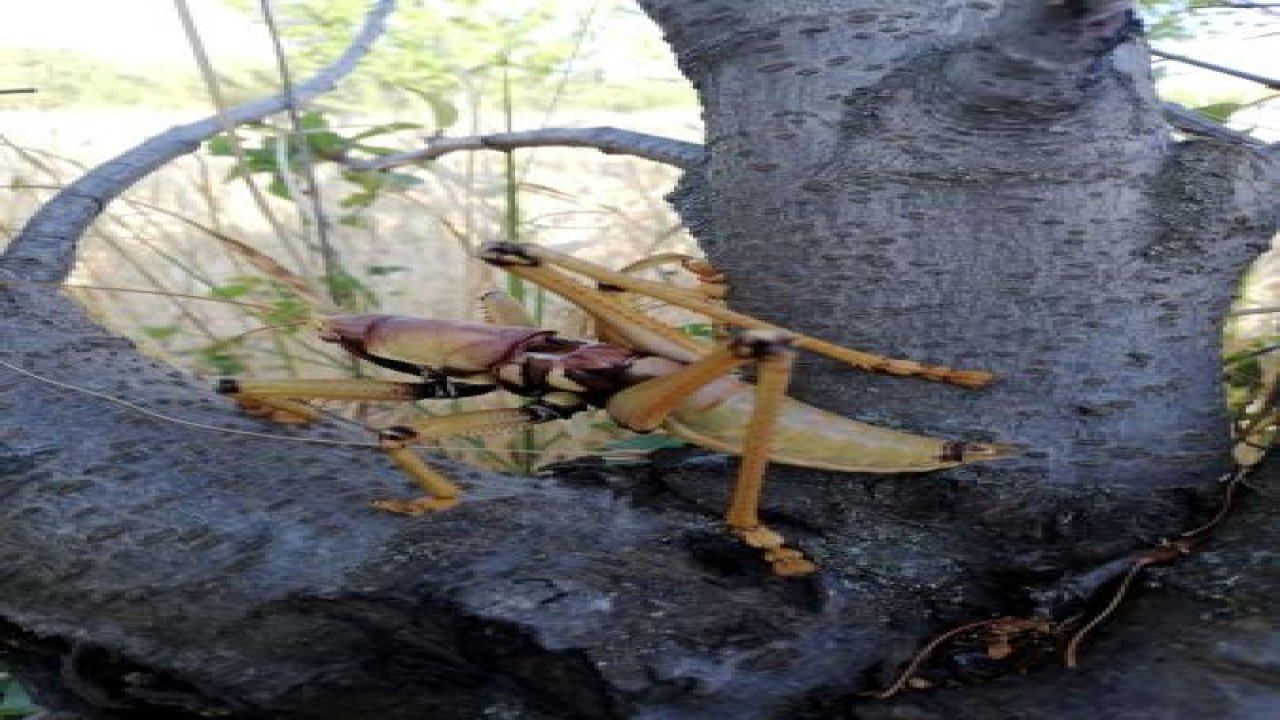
(635, 329)
(711, 282)
(279, 400)
(440, 493)
(773, 362)
(711, 287)
(531, 262)
(644, 406)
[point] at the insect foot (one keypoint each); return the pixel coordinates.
(441, 494)
(783, 561)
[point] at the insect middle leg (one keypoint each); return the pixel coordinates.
(440, 492)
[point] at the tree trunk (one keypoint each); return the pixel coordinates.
(975, 184)
(978, 185)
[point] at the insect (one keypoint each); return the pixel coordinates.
(646, 375)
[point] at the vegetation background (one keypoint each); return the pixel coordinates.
(399, 241)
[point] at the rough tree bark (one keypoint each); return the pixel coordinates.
(972, 183)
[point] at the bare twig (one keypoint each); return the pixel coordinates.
(923, 654)
(1260, 79)
(613, 141)
(1233, 483)
(1254, 311)
(1167, 552)
(1193, 123)
(1236, 6)
(45, 249)
(17, 91)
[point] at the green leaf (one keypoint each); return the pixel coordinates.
(219, 359)
(384, 129)
(327, 144)
(358, 200)
(1221, 111)
(230, 290)
(279, 189)
(443, 112)
(652, 441)
(400, 180)
(220, 145)
(353, 219)
(159, 332)
(313, 120)
(380, 270)
(698, 330)
(288, 311)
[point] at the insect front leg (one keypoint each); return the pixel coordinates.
(281, 401)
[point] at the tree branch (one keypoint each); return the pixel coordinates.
(608, 140)
(1193, 123)
(1261, 80)
(45, 249)
(1236, 6)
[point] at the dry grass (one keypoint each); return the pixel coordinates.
(409, 257)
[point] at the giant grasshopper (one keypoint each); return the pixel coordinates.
(646, 375)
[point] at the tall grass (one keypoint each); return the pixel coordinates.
(407, 253)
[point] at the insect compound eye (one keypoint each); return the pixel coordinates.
(505, 253)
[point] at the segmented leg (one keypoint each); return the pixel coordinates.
(532, 262)
(711, 287)
(440, 493)
(644, 406)
(280, 400)
(774, 360)
(629, 326)
(711, 283)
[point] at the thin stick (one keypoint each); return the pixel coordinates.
(1073, 646)
(923, 654)
(1228, 499)
(1272, 83)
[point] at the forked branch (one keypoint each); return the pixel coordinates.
(608, 140)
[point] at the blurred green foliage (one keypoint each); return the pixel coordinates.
(69, 79)
(470, 48)
(14, 701)
(1184, 19)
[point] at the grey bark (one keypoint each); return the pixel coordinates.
(968, 182)
(978, 185)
